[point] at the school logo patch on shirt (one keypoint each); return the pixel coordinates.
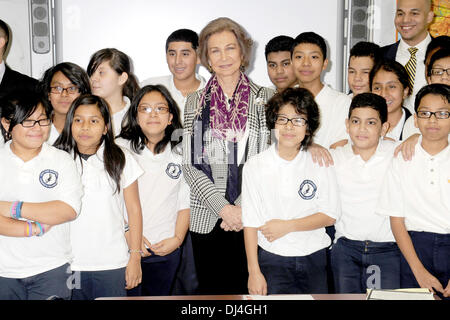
(173, 170)
(48, 178)
(307, 190)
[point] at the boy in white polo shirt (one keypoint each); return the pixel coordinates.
(182, 60)
(309, 58)
(365, 254)
(287, 200)
(416, 196)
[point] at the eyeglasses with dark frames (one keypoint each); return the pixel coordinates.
(298, 121)
(437, 114)
(69, 90)
(31, 123)
(440, 72)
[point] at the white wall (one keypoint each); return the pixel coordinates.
(15, 14)
(140, 28)
(383, 27)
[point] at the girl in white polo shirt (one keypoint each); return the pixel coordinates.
(112, 79)
(150, 133)
(40, 191)
(102, 259)
(287, 201)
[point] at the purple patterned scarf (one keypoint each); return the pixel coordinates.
(228, 124)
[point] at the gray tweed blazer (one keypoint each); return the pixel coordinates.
(207, 198)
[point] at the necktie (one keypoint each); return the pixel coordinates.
(411, 66)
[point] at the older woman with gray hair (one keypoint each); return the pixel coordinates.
(225, 125)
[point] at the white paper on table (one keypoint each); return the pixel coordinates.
(279, 297)
(399, 294)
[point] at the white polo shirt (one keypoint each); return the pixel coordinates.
(118, 117)
(162, 190)
(409, 128)
(51, 175)
(333, 106)
(167, 81)
(98, 235)
(274, 188)
(396, 132)
(360, 183)
(53, 136)
(419, 190)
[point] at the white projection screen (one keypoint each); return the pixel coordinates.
(140, 28)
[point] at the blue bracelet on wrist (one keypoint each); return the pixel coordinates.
(41, 231)
(19, 210)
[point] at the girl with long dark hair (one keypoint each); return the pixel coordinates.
(109, 174)
(151, 134)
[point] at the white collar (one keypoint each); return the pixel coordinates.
(163, 155)
(127, 102)
(7, 145)
(384, 146)
(443, 155)
(422, 46)
(300, 155)
(396, 132)
(323, 91)
(98, 156)
(197, 76)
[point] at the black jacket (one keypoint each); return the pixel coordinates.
(16, 81)
(390, 51)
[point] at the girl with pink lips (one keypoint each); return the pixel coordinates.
(389, 79)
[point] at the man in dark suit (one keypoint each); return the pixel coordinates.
(411, 21)
(11, 80)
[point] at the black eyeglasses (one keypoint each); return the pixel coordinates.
(437, 114)
(440, 72)
(32, 123)
(298, 122)
(60, 90)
